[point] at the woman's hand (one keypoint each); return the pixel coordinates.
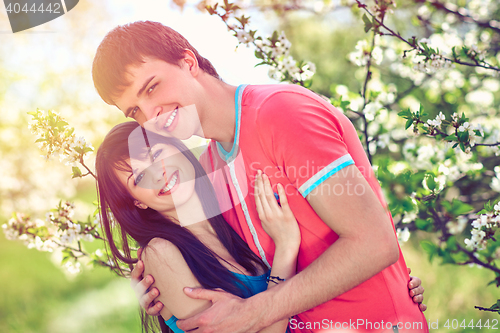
(277, 221)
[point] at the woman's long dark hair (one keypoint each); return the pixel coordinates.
(122, 220)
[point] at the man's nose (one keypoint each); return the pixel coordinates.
(149, 110)
(152, 112)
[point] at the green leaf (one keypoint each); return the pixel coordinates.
(409, 122)
(76, 172)
(368, 23)
(463, 136)
(459, 257)
(460, 208)
(431, 182)
(422, 224)
(451, 243)
(452, 137)
(274, 37)
(429, 247)
(447, 258)
(406, 114)
(308, 84)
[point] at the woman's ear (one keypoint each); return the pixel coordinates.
(140, 205)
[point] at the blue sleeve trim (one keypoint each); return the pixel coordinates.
(324, 174)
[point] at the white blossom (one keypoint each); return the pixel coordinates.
(72, 267)
(361, 55)
(456, 227)
(244, 37)
(403, 235)
(433, 64)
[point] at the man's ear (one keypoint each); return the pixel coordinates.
(140, 205)
(191, 61)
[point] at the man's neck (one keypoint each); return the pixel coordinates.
(218, 117)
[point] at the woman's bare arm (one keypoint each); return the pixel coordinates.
(165, 262)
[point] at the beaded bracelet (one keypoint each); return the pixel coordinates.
(275, 279)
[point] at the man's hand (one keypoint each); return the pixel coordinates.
(141, 286)
(416, 291)
(226, 309)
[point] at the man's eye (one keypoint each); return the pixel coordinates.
(134, 111)
(157, 154)
(138, 178)
(150, 90)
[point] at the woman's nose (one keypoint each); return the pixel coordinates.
(158, 172)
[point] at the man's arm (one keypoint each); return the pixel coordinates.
(366, 246)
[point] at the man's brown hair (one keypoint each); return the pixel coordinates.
(128, 45)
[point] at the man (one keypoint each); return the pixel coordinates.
(352, 275)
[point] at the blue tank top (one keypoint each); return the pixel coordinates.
(251, 285)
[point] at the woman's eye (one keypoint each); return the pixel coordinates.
(150, 90)
(157, 154)
(139, 178)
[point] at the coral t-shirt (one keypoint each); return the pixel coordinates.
(299, 140)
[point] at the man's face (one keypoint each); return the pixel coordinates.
(163, 97)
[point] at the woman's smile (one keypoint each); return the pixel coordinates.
(171, 185)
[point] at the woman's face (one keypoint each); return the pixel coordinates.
(162, 179)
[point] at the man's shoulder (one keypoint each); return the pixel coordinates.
(275, 104)
(260, 95)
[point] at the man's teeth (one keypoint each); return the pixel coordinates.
(170, 184)
(171, 118)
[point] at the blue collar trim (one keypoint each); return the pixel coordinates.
(227, 156)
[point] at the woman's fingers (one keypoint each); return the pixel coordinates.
(284, 201)
(262, 195)
(268, 190)
(258, 203)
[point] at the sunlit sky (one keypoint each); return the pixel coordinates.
(208, 34)
(49, 67)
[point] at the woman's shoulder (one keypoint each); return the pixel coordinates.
(159, 249)
(162, 244)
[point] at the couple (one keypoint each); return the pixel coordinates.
(340, 239)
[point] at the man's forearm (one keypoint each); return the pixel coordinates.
(344, 265)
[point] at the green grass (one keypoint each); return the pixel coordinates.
(451, 291)
(36, 296)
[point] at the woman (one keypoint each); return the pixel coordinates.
(206, 251)
(146, 184)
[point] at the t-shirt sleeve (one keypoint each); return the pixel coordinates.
(304, 137)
